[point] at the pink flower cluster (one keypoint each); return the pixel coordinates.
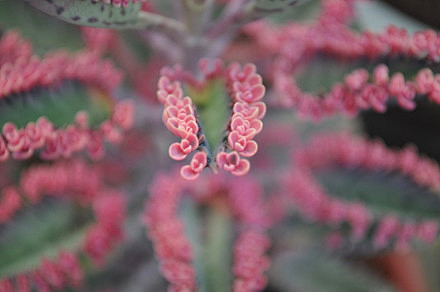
(249, 207)
(61, 179)
(26, 72)
(362, 91)
(13, 48)
(166, 230)
(293, 45)
(347, 151)
(22, 143)
(10, 203)
(246, 89)
(63, 271)
(250, 261)
(242, 196)
(82, 183)
(180, 119)
(102, 237)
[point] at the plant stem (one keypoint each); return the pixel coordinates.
(217, 252)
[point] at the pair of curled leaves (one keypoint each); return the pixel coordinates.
(383, 198)
(52, 258)
(57, 105)
(218, 120)
(180, 262)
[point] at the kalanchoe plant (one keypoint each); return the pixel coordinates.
(298, 204)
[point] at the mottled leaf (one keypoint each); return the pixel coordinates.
(90, 12)
(99, 14)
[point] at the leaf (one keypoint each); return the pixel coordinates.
(376, 16)
(384, 193)
(303, 12)
(99, 14)
(313, 270)
(212, 103)
(90, 12)
(274, 6)
(212, 245)
(59, 105)
(40, 232)
(45, 33)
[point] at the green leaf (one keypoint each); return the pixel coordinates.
(265, 7)
(212, 103)
(90, 12)
(191, 218)
(59, 105)
(39, 232)
(377, 15)
(210, 232)
(218, 250)
(313, 270)
(99, 14)
(45, 33)
(383, 193)
(303, 12)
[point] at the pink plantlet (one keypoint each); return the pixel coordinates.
(250, 261)
(10, 203)
(81, 119)
(427, 231)
(244, 127)
(69, 264)
(111, 133)
(255, 111)
(179, 151)
(123, 115)
(356, 80)
(35, 135)
(198, 163)
(22, 283)
(182, 127)
(95, 146)
(4, 152)
(13, 47)
(232, 162)
(424, 81)
(51, 273)
(242, 145)
(6, 285)
(381, 75)
(407, 232)
(39, 281)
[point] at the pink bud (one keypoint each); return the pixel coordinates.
(231, 162)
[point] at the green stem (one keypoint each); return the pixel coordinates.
(191, 219)
(217, 251)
